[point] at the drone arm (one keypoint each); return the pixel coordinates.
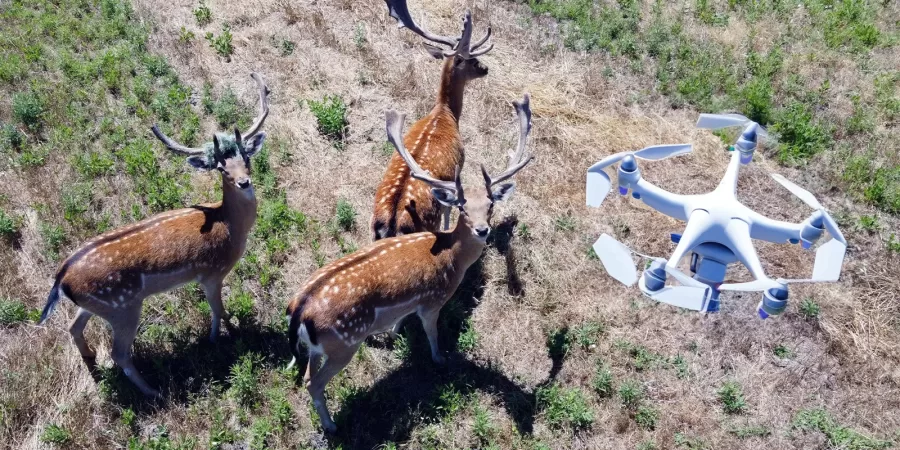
(729, 181)
(693, 232)
(777, 231)
(739, 233)
(676, 206)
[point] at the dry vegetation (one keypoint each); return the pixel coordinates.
(546, 350)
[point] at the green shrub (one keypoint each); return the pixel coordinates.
(587, 335)
(28, 108)
(602, 381)
(240, 305)
(55, 434)
(222, 42)
(732, 398)
(12, 312)
(564, 407)
(331, 117)
(646, 417)
(345, 215)
(631, 393)
(9, 226)
(10, 138)
(468, 339)
(244, 380)
(260, 433)
(838, 436)
(227, 110)
(94, 164)
(203, 14)
(800, 135)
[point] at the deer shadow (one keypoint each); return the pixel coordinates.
(501, 239)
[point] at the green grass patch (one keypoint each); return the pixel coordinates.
(202, 14)
(809, 309)
(468, 338)
(602, 381)
(838, 436)
(731, 396)
(244, 380)
(345, 215)
(221, 43)
(55, 434)
(564, 408)
(12, 312)
(646, 417)
(631, 393)
(331, 118)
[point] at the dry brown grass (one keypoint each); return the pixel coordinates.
(845, 361)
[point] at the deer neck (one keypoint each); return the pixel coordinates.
(465, 249)
(239, 208)
(452, 89)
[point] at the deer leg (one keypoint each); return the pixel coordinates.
(429, 319)
(316, 387)
(76, 329)
(124, 331)
(213, 291)
(312, 366)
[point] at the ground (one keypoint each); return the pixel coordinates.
(545, 350)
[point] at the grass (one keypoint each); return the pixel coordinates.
(602, 383)
(331, 117)
(244, 380)
(221, 43)
(838, 436)
(468, 339)
(731, 396)
(345, 215)
(28, 109)
(202, 14)
(587, 335)
(55, 434)
(9, 226)
(646, 417)
(781, 351)
(750, 431)
(12, 312)
(631, 393)
(564, 408)
(809, 309)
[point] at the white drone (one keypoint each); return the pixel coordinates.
(720, 230)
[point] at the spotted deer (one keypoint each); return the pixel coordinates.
(404, 205)
(370, 291)
(112, 274)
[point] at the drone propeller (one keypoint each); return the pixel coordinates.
(687, 297)
(598, 182)
(718, 121)
(829, 256)
(764, 284)
(616, 259)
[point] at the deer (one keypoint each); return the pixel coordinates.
(111, 275)
(372, 290)
(404, 205)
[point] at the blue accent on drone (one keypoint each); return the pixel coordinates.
(713, 306)
(676, 238)
(628, 164)
(636, 195)
(762, 313)
(794, 241)
(817, 221)
(623, 190)
(806, 244)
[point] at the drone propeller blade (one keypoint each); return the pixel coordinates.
(759, 285)
(798, 191)
(829, 259)
(716, 121)
(598, 185)
(832, 228)
(608, 161)
(616, 259)
(683, 278)
(658, 152)
(688, 297)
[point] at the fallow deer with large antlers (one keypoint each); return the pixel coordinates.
(112, 274)
(370, 291)
(404, 205)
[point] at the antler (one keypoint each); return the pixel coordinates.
(174, 146)
(517, 159)
(263, 106)
(460, 46)
(394, 122)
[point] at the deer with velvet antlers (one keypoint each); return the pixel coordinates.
(370, 291)
(112, 274)
(403, 204)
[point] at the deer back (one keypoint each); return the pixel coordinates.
(404, 205)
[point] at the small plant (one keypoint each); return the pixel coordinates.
(345, 215)
(286, 47)
(203, 15)
(564, 407)
(260, 432)
(10, 138)
(732, 398)
(892, 244)
(524, 232)
(240, 304)
(450, 401)
(129, 418)
(800, 135)
(28, 109)
(750, 431)
(586, 336)
(94, 164)
(359, 37)
(818, 419)
(331, 116)
(12, 312)
(868, 223)
(781, 351)
(631, 393)
(54, 238)
(9, 226)
(602, 381)
(483, 429)
(558, 343)
(646, 417)
(647, 445)
(565, 222)
(222, 42)
(691, 443)
(55, 434)
(809, 308)
(401, 347)
(681, 367)
(227, 110)
(244, 380)
(280, 409)
(468, 339)
(185, 36)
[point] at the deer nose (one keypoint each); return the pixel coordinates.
(482, 231)
(244, 184)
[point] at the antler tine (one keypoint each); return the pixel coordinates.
(517, 159)
(394, 122)
(398, 10)
(174, 146)
(478, 44)
(463, 46)
(263, 106)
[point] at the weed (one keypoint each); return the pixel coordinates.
(781, 351)
(244, 380)
(565, 222)
(286, 47)
(647, 445)
(401, 347)
(468, 339)
(11, 138)
(222, 42)
(800, 135)
(708, 15)
(631, 393)
(203, 15)
(646, 417)
(54, 238)
(55, 434)
(558, 343)
(869, 223)
(331, 117)
(185, 36)
(227, 110)
(586, 336)
(861, 121)
(838, 436)
(524, 232)
(241, 305)
(128, 418)
(359, 37)
(681, 368)
(260, 432)
(280, 409)
(809, 308)
(892, 244)
(483, 429)
(602, 381)
(345, 215)
(76, 201)
(564, 407)
(12, 312)
(691, 443)
(28, 108)
(450, 401)
(94, 164)
(9, 226)
(732, 398)
(219, 433)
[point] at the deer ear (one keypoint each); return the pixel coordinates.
(254, 144)
(445, 196)
(503, 192)
(199, 162)
(435, 52)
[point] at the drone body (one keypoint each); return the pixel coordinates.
(719, 231)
